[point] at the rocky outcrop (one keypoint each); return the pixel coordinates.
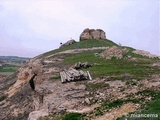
(113, 52)
(92, 34)
(145, 53)
(70, 42)
(24, 75)
(36, 114)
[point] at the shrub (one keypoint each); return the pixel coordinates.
(72, 116)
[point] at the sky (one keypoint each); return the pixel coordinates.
(31, 27)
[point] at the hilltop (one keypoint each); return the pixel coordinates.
(124, 80)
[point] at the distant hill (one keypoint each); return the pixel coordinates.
(14, 59)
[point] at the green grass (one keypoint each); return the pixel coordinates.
(9, 68)
(82, 44)
(152, 107)
(72, 116)
(55, 78)
(137, 69)
(107, 105)
(129, 53)
(149, 93)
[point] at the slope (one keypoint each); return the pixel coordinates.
(133, 79)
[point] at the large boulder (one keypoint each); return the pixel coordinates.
(92, 34)
(70, 42)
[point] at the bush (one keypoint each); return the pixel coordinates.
(72, 116)
(3, 97)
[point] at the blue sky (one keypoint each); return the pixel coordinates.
(30, 28)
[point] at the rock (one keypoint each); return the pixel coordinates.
(113, 51)
(23, 76)
(37, 114)
(61, 108)
(92, 34)
(80, 65)
(145, 53)
(87, 101)
(70, 42)
(156, 64)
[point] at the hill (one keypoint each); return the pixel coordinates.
(123, 81)
(10, 64)
(14, 59)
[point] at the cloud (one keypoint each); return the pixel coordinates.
(47, 19)
(42, 24)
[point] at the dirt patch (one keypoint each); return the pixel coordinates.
(118, 112)
(85, 109)
(116, 83)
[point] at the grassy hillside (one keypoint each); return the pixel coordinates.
(82, 44)
(127, 70)
(101, 67)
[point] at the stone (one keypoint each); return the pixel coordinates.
(87, 101)
(37, 114)
(113, 51)
(23, 76)
(92, 34)
(145, 53)
(80, 65)
(70, 42)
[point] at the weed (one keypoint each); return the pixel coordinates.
(55, 78)
(149, 93)
(72, 116)
(82, 44)
(3, 97)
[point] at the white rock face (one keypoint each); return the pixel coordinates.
(92, 34)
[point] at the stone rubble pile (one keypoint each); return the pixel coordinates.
(113, 51)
